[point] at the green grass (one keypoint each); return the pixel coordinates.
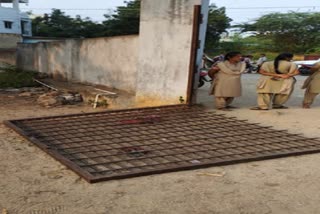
(12, 77)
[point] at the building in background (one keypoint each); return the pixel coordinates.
(235, 32)
(14, 24)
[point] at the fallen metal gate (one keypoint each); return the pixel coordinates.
(127, 143)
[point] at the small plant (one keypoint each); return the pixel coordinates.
(90, 102)
(102, 103)
(181, 99)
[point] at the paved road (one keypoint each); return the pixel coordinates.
(248, 98)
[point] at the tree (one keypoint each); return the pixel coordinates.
(57, 24)
(293, 32)
(218, 22)
(247, 45)
(124, 21)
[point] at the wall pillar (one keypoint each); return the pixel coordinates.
(164, 51)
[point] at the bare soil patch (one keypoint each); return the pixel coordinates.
(32, 182)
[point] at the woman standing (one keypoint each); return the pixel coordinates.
(227, 80)
(312, 86)
(277, 82)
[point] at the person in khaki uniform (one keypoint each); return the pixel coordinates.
(312, 86)
(226, 84)
(276, 83)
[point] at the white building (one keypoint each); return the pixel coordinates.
(232, 33)
(13, 23)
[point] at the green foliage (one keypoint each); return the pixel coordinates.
(181, 100)
(218, 22)
(101, 103)
(315, 50)
(124, 21)
(12, 77)
(291, 32)
(57, 24)
(248, 45)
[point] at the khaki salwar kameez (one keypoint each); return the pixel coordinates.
(275, 90)
(312, 86)
(227, 83)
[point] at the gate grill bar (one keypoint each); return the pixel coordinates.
(135, 142)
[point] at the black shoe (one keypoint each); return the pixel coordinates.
(259, 109)
(280, 107)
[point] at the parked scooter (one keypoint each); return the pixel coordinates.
(207, 63)
(251, 68)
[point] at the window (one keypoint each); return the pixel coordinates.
(8, 24)
(24, 27)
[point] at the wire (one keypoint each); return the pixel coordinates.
(102, 9)
(109, 11)
(254, 8)
(123, 8)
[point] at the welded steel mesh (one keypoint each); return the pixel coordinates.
(127, 143)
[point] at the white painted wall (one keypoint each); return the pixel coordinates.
(164, 52)
(109, 61)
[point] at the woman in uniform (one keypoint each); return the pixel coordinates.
(312, 86)
(227, 80)
(276, 83)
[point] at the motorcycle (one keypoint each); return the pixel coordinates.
(305, 69)
(204, 77)
(251, 68)
(304, 66)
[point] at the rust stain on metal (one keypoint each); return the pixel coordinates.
(135, 142)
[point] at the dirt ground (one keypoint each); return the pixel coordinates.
(31, 182)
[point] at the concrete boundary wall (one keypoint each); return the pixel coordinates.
(155, 65)
(8, 40)
(8, 56)
(110, 61)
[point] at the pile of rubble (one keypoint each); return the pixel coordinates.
(47, 97)
(53, 93)
(56, 98)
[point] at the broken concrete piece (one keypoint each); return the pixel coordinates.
(25, 94)
(55, 98)
(47, 100)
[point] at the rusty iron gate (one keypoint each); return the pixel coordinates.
(128, 143)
